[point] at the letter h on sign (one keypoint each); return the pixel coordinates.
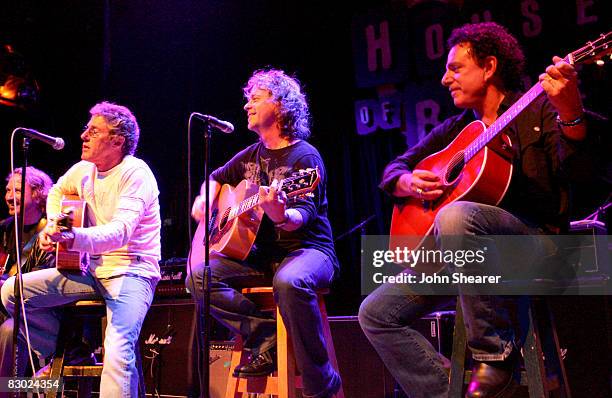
(374, 44)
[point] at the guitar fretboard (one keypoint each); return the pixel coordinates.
(590, 51)
(503, 121)
(290, 185)
(246, 205)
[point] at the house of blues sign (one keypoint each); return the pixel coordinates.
(400, 52)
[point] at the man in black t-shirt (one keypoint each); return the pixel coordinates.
(294, 246)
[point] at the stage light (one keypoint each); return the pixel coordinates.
(17, 86)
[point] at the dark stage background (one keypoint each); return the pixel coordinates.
(165, 59)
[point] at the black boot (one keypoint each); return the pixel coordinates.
(259, 365)
(493, 379)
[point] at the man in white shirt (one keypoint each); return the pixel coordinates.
(122, 240)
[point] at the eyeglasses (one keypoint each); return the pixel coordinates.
(92, 132)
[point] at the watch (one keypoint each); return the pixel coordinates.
(570, 123)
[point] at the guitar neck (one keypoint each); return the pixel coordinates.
(503, 121)
(301, 184)
(244, 206)
(589, 52)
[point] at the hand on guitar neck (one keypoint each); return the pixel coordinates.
(421, 184)
(274, 203)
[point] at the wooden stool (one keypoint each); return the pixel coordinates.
(285, 381)
(85, 374)
(544, 372)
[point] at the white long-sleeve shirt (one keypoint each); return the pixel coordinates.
(123, 233)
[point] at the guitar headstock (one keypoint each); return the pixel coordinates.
(301, 183)
(593, 51)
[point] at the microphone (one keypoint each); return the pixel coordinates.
(55, 142)
(221, 125)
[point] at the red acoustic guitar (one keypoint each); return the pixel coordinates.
(476, 166)
(4, 259)
(73, 213)
(235, 217)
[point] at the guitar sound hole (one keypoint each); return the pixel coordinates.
(223, 221)
(211, 223)
(455, 167)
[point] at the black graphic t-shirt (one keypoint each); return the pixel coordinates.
(261, 166)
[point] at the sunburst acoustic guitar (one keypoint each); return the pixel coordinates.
(235, 216)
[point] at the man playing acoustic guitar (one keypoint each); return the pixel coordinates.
(483, 75)
(122, 240)
(293, 248)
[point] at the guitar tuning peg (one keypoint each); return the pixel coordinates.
(309, 195)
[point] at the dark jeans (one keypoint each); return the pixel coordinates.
(387, 313)
(6, 348)
(6, 352)
(295, 279)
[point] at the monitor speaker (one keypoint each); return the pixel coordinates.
(168, 352)
(363, 373)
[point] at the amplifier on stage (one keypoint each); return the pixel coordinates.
(438, 328)
(363, 373)
(593, 256)
(169, 356)
(172, 283)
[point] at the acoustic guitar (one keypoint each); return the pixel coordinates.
(4, 259)
(235, 217)
(476, 166)
(73, 214)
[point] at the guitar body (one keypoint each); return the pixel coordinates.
(65, 259)
(484, 178)
(232, 238)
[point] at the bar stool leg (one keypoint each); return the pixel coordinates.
(553, 351)
(457, 371)
(232, 382)
(329, 342)
(541, 351)
(286, 364)
(532, 355)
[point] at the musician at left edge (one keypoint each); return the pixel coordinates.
(32, 258)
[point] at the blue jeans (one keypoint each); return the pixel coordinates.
(387, 313)
(295, 279)
(127, 301)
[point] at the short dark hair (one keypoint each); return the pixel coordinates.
(121, 121)
(293, 117)
(490, 39)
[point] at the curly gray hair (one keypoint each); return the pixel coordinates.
(293, 115)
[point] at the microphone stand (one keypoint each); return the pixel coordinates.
(18, 276)
(205, 307)
(361, 226)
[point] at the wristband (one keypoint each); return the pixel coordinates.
(571, 123)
